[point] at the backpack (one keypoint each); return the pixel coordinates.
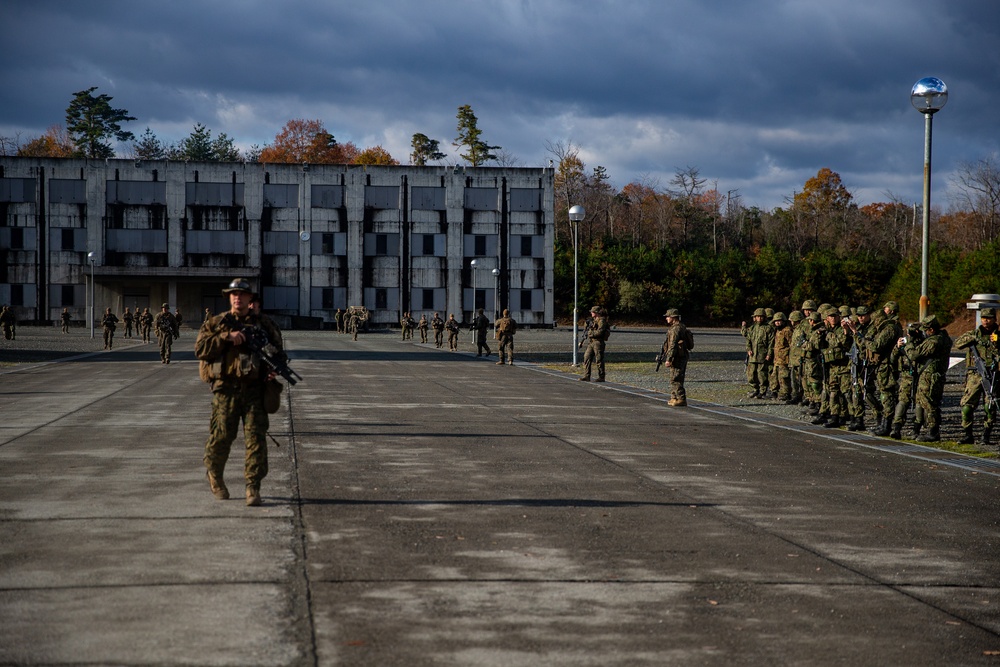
(688, 339)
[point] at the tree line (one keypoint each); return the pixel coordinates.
(645, 247)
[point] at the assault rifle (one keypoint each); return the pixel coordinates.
(260, 345)
(857, 361)
(585, 334)
(660, 358)
(987, 378)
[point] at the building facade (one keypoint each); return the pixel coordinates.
(87, 235)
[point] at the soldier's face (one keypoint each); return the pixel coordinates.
(989, 323)
(239, 302)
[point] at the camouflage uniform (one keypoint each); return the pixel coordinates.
(146, 322)
(9, 323)
(237, 377)
(760, 351)
(422, 328)
(674, 353)
(887, 331)
(782, 357)
(506, 327)
(905, 369)
(108, 322)
(452, 326)
(796, 358)
(406, 324)
(128, 319)
(438, 325)
(165, 326)
(984, 339)
(597, 336)
(812, 350)
(809, 362)
(481, 325)
(66, 317)
(931, 357)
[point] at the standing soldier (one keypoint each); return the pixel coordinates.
(65, 317)
(422, 328)
(452, 326)
(180, 321)
(9, 323)
(597, 336)
(165, 325)
(863, 389)
(506, 327)
(108, 322)
(800, 329)
(406, 324)
(481, 325)
(238, 378)
(127, 319)
(674, 354)
(813, 348)
(760, 353)
(146, 323)
(838, 368)
(931, 357)
(339, 319)
(438, 325)
(782, 357)
(980, 345)
(901, 361)
(887, 332)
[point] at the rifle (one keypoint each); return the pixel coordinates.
(856, 361)
(987, 378)
(585, 334)
(258, 343)
(660, 358)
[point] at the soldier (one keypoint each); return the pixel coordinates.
(760, 353)
(782, 357)
(9, 323)
(481, 325)
(795, 356)
(887, 332)
(165, 325)
(506, 327)
(146, 323)
(931, 357)
(901, 361)
(452, 326)
(438, 325)
(237, 377)
(674, 353)
(339, 319)
(839, 340)
(815, 368)
(127, 319)
(180, 321)
(982, 340)
(108, 322)
(406, 324)
(422, 327)
(597, 336)
(863, 371)
(65, 317)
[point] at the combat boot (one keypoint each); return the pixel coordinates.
(833, 422)
(855, 425)
(217, 485)
(582, 378)
(897, 431)
(253, 495)
(967, 437)
(917, 426)
(820, 418)
(932, 435)
(986, 436)
(884, 428)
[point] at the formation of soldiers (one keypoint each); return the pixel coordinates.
(843, 364)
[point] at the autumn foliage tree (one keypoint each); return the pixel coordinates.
(308, 141)
(375, 155)
(55, 142)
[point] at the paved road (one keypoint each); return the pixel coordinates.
(428, 508)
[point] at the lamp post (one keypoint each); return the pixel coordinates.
(90, 256)
(928, 96)
(576, 215)
(473, 265)
(496, 296)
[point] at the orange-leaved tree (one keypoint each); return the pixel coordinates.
(55, 142)
(375, 155)
(307, 141)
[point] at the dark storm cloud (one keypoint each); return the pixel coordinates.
(758, 96)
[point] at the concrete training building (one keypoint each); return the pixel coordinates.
(310, 238)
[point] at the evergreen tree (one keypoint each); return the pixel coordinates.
(478, 152)
(92, 122)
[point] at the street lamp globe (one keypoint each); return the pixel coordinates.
(577, 213)
(929, 95)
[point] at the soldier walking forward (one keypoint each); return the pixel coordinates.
(597, 337)
(506, 327)
(237, 377)
(165, 325)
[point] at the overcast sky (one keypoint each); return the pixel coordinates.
(757, 95)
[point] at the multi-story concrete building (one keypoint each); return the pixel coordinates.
(311, 238)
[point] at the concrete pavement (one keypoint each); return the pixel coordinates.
(430, 508)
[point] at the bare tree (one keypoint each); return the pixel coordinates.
(977, 191)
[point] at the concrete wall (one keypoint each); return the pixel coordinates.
(310, 238)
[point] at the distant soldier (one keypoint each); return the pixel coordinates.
(128, 319)
(597, 337)
(437, 324)
(981, 341)
(800, 329)
(839, 340)
(887, 332)
(760, 353)
(9, 323)
(674, 354)
(406, 324)
(814, 368)
(481, 325)
(338, 317)
(65, 317)
(863, 367)
(782, 357)
(165, 325)
(810, 400)
(109, 322)
(506, 327)
(931, 357)
(422, 327)
(145, 324)
(180, 321)
(452, 326)
(901, 360)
